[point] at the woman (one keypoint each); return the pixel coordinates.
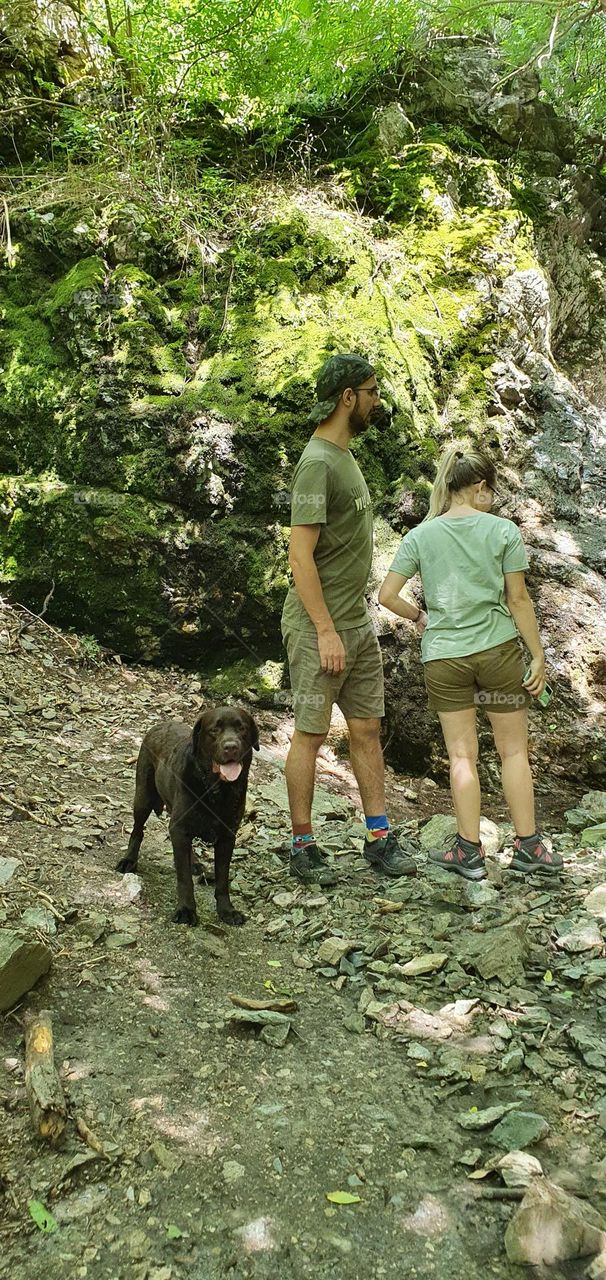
(472, 566)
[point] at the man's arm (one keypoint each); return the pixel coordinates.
(522, 611)
(303, 540)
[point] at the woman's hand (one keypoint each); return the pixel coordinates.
(534, 682)
(421, 622)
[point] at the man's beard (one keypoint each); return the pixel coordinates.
(357, 424)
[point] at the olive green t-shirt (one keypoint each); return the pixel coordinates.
(462, 561)
(329, 489)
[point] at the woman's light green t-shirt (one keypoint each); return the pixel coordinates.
(462, 561)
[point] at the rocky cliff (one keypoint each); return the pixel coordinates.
(158, 360)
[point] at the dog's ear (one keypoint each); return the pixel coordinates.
(201, 723)
(254, 733)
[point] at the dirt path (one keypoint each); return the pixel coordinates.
(220, 1147)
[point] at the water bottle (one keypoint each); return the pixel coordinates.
(545, 697)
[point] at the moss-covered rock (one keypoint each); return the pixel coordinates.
(141, 573)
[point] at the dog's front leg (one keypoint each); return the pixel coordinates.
(186, 902)
(224, 848)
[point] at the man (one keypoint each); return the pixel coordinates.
(333, 651)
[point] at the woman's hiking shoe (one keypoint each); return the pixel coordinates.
(462, 857)
(388, 856)
(535, 856)
(311, 867)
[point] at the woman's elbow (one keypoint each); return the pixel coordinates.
(384, 597)
(516, 598)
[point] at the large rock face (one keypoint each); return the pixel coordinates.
(153, 394)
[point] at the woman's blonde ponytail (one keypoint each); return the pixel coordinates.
(457, 469)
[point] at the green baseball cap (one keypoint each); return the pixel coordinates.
(337, 373)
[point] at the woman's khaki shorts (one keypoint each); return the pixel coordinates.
(358, 690)
(491, 679)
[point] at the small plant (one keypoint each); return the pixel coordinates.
(90, 652)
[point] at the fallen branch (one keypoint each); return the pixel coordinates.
(42, 1084)
(20, 809)
(90, 1138)
(37, 617)
(47, 599)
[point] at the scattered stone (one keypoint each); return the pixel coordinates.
(232, 1171)
(8, 866)
(419, 1052)
(595, 902)
(577, 818)
(490, 835)
(480, 893)
(588, 1045)
(512, 1061)
(22, 962)
(39, 918)
(583, 936)
(355, 1023)
(131, 886)
(275, 1036)
(518, 1168)
(519, 1130)
(116, 940)
(484, 1119)
(593, 837)
(594, 803)
(437, 833)
(261, 1017)
(552, 1226)
(167, 1159)
(430, 1218)
(431, 962)
(500, 953)
(471, 1157)
(331, 950)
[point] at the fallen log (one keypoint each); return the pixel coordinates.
(43, 1087)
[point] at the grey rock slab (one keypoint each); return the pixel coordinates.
(512, 1061)
(551, 1226)
(498, 953)
(583, 936)
(8, 866)
(480, 893)
(594, 803)
(430, 962)
(593, 837)
(484, 1119)
(22, 962)
(39, 918)
(518, 1168)
(595, 902)
(519, 1130)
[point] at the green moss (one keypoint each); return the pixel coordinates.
(246, 677)
(86, 277)
(184, 403)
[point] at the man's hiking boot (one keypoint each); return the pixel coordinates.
(461, 857)
(535, 857)
(388, 856)
(311, 867)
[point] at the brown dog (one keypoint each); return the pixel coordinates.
(201, 779)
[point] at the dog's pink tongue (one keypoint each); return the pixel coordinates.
(230, 771)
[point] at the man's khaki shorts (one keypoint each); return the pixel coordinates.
(358, 690)
(490, 679)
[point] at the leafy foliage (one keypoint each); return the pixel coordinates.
(261, 63)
